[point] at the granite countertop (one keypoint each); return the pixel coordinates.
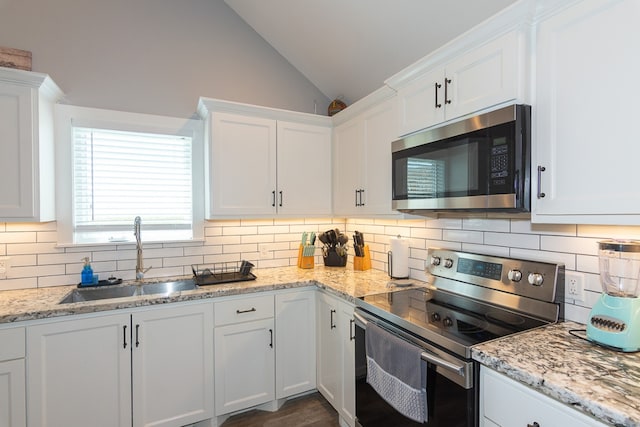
(42, 303)
(599, 382)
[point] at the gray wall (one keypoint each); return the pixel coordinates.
(153, 56)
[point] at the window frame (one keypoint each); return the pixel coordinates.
(68, 116)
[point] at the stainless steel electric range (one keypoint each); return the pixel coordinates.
(469, 299)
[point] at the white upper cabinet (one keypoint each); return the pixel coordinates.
(487, 75)
(263, 162)
(26, 148)
(362, 162)
(585, 153)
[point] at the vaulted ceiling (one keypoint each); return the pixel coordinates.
(347, 48)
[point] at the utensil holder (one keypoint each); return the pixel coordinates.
(361, 263)
(305, 261)
(332, 259)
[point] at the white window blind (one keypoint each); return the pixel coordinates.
(118, 175)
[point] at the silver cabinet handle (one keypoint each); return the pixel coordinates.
(540, 170)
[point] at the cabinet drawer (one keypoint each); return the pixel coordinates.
(243, 309)
(12, 344)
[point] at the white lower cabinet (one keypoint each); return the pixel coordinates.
(295, 342)
(82, 370)
(12, 378)
(244, 353)
(264, 349)
(336, 355)
(506, 403)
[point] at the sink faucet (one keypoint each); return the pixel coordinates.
(140, 270)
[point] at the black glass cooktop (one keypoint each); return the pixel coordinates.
(446, 319)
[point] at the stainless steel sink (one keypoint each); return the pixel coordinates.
(109, 292)
(167, 288)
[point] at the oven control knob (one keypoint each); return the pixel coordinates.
(435, 317)
(447, 322)
(448, 263)
(515, 275)
(435, 261)
(535, 279)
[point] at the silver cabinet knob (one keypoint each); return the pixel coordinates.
(515, 275)
(535, 279)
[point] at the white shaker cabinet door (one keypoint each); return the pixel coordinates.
(172, 365)
(304, 169)
(585, 155)
(12, 394)
(244, 365)
(295, 342)
(80, 373)
(506, 403)
(348, 167)
(242, 165)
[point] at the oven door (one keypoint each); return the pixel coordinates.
(452, 392)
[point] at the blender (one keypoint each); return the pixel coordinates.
(614, 320)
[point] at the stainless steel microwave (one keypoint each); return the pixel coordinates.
(479, 164)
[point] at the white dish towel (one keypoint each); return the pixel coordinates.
(396, 372)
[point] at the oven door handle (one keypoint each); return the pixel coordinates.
(442, 363)
(427, 357)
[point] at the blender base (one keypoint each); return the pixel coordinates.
(614, 322)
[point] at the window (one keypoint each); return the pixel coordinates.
(126, 168)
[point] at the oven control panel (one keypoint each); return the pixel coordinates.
(535, 279)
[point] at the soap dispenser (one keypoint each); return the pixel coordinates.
(87, 273)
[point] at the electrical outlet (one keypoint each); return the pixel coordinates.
(4, 267)
(574, 286)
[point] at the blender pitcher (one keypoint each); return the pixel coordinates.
(614, 320)
(619, 267)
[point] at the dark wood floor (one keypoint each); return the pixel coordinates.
(306, 411)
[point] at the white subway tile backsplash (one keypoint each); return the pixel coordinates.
(464, 236)
(32, 248)
(525, 226)
(525, 241)
(601, 232)
(500, 251)
(37, 261)
(576, 245)
(18, 237)
(484, 224)
(30, 226)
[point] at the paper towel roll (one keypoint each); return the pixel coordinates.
(399, 258)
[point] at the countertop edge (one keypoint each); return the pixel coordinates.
(547, 385)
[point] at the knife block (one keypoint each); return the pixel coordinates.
(332, 259)
(305, 261)
(362, 263)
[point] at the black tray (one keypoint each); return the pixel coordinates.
(220, 278)
(101, 283)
